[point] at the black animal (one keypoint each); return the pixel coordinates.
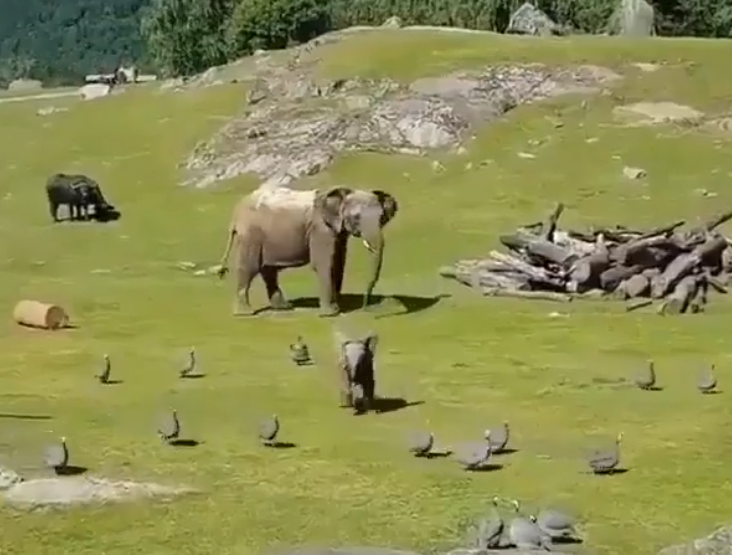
(78, 192)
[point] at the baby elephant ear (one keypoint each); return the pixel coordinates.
(371, 341)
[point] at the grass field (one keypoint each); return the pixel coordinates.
(473, 362)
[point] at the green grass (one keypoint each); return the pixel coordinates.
(472, 361)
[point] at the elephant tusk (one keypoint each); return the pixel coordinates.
(368, 246)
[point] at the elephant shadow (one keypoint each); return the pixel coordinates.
(350, 302)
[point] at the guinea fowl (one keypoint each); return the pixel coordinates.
(606, 461)
(299, 352)
(421, 443)
(56, 456)
(524, 533)
(556, 524)
(190, 368)
(490, 530)
(169, 427)
(646, 379)
(106, 372)
(498, 437)
(473, 456)
(268, 430)
(707, 382)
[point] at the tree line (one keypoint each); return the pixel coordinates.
(60, 41)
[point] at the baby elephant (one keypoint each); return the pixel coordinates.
(356, 368)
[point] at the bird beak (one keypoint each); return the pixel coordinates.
(368, 246)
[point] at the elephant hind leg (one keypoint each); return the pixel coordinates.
(277, 300)
(249, 265)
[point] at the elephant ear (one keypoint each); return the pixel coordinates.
(329, 205)
(371, 341)
(389, 205)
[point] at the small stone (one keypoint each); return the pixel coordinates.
(468, 166)
(437, 166)
(592, 140)
(186, 265)
(215, 269)
(200, 273)
(634, 173)
(8, 478)
(101, 271)
(461, 151)
(526, 155)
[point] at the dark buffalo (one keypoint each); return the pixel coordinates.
(78, 192)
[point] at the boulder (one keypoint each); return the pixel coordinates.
(94, 90)
(716, 543)
(394, 22)
(530, 20)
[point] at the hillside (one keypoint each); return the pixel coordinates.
(63, 41)
(140, 290)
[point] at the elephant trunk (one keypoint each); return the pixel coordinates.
(375, 243)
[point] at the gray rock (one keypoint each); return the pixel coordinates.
(716, 543)
(394, 22)
(8, 478)
(530, 20)
(511, 551)
(298, 127)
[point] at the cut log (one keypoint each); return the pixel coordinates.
(663, 230)
(586, 271)
(684, 264)
(699, 301)
(536, 295)
(36, 314)
(551, 225)
(537, 246)
(636, 286)
(678, 300)
(635, 304)
(713, 223)
(631, 252)
(537, 275)
(612, 277)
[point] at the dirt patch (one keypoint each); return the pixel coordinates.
(723, 125)
(652, 113)
(77, 490)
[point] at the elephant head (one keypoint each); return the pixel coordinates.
(362, 214)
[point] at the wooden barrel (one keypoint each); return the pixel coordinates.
(36, 314)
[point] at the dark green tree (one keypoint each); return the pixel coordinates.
(186, 36)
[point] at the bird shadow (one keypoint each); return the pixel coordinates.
(712, 392)
(26, 416)
(611, 472)
(506, 451)
(193, 376)
(383, 405)
(349, 302)
(282, 445)
(71, 470)
(437, 455)
(113, 382)
(569, 540)
(653, 388)
(185, 443)
(485, 468)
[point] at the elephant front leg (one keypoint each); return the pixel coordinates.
(322, 261)
(277, 300)
(338, 267)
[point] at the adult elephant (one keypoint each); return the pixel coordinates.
(273, 229)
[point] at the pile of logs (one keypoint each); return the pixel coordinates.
(677, 268)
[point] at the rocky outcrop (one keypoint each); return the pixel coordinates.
(717, 543)
(295, 127)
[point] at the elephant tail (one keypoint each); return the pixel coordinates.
(224, 265)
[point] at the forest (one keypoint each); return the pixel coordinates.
(60, 41)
